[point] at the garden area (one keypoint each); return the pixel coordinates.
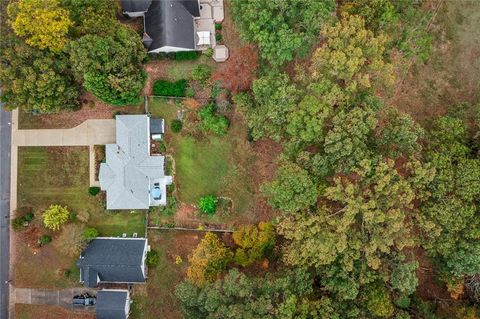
(56, 179)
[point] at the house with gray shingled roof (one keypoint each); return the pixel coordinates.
(113, 304)
(113, 260)
(131, 176)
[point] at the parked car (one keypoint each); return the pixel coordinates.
(84, 300)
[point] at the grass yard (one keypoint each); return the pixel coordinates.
(23, 311)
(59, 175)
(157, 298)
(207, 164)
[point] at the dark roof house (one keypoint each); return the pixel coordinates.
(113, 260)
(169, 24)
(113, 304)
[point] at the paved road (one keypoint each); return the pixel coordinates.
(5, 140)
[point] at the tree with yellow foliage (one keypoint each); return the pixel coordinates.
(208, 260)
(43, 23)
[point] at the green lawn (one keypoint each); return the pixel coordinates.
(177, 70)
(209, 164)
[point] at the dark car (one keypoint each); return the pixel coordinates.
(84, 300)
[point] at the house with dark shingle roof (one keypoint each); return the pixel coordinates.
(113, 260)
(113, 304)
(168, 24)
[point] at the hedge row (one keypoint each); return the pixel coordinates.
(179, 56)
(167, 88)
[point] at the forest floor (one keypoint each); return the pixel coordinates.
(451, 75)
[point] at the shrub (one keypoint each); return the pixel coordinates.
(211, 122)
(218, 37)
(28, 217)
(186, 55)
(201, 72)
(218, 26)
(45, 239)
(176, 126)
(55, 216)
(94, 190)
(152, 258)
(90, 234)
(17, 223)
(208, 204)
(167, 88)
(208, 52)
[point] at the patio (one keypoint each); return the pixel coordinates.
(211, 12)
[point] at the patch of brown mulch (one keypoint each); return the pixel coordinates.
(49, 312)
(30, 236)
(155, 69)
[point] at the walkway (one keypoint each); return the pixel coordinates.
(62, 298)
(89, 133)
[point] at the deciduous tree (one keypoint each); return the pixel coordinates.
(352, 56)
(253, 241)
(43, 23)
(36, 81)
(281, 28)
(110, 66)
(292, 190)
(208, 260)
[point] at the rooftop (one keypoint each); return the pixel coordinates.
(113, 260)
(112, 304)
(130, 173)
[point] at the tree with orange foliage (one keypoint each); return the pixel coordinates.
(239, 71)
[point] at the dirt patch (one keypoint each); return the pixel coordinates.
(186, 216)
(155, 69)
(266, 153)
(23, 311)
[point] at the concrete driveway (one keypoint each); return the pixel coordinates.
(62, 298)
(89, 133)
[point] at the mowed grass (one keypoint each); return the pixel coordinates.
(157, 298)
(209, 165)
(59, 175)
(202, 167)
